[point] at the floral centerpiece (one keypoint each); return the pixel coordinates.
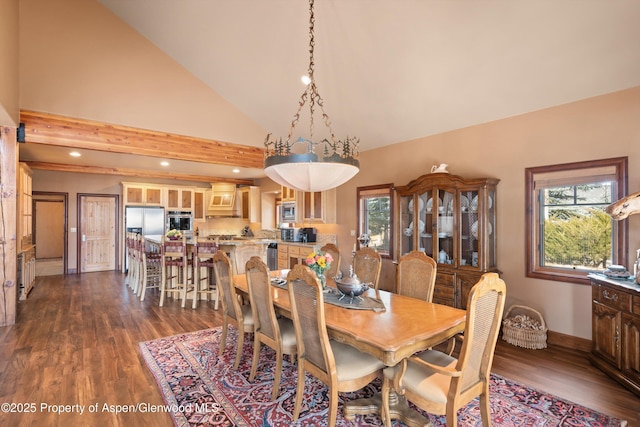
(319, 262)
(174, 234)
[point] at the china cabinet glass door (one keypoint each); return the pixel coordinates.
(406, 224)
(469, 226)
(445, 250)
(491, 237)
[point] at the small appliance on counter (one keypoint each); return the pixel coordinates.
(246, 232)
(308, 235)
(290, 234)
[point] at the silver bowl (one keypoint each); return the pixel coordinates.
(351, 286)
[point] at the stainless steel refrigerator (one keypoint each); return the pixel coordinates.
(146, 221)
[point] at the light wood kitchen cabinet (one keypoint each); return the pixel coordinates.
(199, 205)
(292, 254)
(287, 194)
(249, 199)
(319, 206)
(26, 273)
(615, 329)
(142, 194)
(179, 199)
(25, 206)
(453, 220)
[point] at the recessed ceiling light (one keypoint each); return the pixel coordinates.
(236, 170)
(305, 79)
(75, 154)
(164, 163)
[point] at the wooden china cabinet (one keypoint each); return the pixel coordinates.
(453, 220)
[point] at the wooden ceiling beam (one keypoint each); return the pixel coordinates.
(56, 130)
(132, 172)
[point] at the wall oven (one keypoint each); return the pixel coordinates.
(288, 212)
(180, 220)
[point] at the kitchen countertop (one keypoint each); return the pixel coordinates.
(157, 238)
(243, 240)
(306, 245)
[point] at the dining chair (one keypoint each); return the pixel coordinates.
(367, 264)
(441, 384)
(175, 270)
(232, 310)
(416, 275)
(271, 330)
(204, 280)
(341, 367)
(244, 252)
(150, 268)
(330, 248)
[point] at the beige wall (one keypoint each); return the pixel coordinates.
(78, 59)
(9, 82)
(597, 128)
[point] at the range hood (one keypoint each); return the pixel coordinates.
(222, 200)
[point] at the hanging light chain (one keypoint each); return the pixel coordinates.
(349, 145)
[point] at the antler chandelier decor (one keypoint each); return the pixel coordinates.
(309, 171)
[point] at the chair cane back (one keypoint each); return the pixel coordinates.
(333, 250)
(416, 275)
(441, 384)
(232, 310)
(275, 332)
(342, 367)
(367, 264)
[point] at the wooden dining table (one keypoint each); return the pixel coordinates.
(405, 326)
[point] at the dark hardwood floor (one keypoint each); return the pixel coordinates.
(76, 343)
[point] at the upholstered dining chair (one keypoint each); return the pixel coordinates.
(440, 384)
(416, 275)
(232, 310)
(271, 330)
(367, 264)
(342, 367)
(330, 248)
(243, 253)
(203, 276)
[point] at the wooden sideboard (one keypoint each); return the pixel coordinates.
(616, 329)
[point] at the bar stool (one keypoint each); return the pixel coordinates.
(203, 274)
(132, 260)
(175, 270)
(150, 267)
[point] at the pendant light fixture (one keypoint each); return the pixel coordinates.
(311, 171)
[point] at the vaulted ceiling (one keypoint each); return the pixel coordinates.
(392, 71)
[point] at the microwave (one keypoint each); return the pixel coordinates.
(290, 234)
(288, 212)
(182, 221)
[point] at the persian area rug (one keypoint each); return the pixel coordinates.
(201, 388)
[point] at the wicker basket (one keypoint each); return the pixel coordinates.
(530, 333)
